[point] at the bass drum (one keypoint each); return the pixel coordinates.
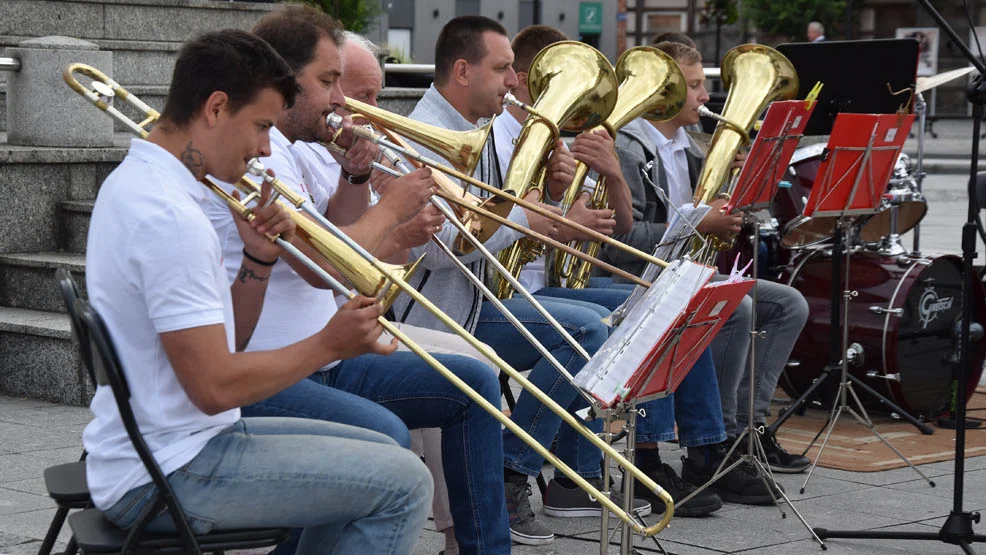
(905, 319)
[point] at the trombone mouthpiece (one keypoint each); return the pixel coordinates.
(256, 167)
(334, 121)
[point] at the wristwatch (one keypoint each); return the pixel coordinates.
(356, 179)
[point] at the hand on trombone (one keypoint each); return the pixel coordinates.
(358, 154)
(354, 330)
(268, 221)
(418, 230)
(404, 197)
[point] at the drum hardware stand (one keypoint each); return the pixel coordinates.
(957, 529)
(754, 453)
(849, 354)
(921, 108)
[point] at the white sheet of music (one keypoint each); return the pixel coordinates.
(605, 375)
(675, 243)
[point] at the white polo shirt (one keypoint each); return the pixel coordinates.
(320, 169)
(153, 265)
(293, 309)
(672, 153)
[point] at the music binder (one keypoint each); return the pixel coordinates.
(662, 335)
(857, 164)
(770, 155)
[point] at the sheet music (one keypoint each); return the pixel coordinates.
(606, 375)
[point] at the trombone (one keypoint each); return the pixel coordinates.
(349, 249)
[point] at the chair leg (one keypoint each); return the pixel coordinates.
(511, 403)
(72, 548)
(53, 530)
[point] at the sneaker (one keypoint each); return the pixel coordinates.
(523, 527)
(702, 504)
(741, 485)
(780, 460)
(563, 502)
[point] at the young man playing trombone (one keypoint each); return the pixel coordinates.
(403, 383)
(155, 273)
(473, 72)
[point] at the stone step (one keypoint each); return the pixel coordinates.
(75, 224)
(39, 358)
(27, 280)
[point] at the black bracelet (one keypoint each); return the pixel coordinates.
(258, 261)
(356, 179)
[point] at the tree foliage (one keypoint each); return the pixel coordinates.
(355, 15)
(790, 18)
(719, 12)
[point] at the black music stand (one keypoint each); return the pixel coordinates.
(957, 529)
(858, 161)
(851, 86)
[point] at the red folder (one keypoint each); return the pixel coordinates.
(782, 128)
(678, 350)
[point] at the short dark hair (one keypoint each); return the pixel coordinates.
(674, 36)
(461, 39)
(232, 61)
(294, 31)
(531, 40)
(682, 53)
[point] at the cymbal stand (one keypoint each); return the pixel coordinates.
(849, 354)
(921, 108)
(754, 453)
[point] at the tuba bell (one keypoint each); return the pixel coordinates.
(574, 88)
(651, 86)
(755, 76)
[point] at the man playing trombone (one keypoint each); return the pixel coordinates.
(309, 41)
(155, 274)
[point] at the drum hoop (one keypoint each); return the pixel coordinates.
(893, 300)
(797, 269)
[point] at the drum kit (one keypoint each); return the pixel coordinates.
(903, 319)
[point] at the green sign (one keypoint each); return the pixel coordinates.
(590, 18)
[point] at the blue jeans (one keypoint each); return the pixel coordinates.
(781, 314)
(471, 438)
(606, 282)
(583, 322)
(695, 405)
(309, 399)
(608, 297)
(352, 490)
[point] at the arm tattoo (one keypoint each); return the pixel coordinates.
(247, 273)
(191, 157)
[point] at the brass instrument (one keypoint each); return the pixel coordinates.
(755, 75)
(364, 277)
(462, 149)
(574, 88)
(347, 253)
(651, 86)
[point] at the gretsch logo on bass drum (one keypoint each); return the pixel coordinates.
(930, 305)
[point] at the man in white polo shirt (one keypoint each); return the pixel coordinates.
(155, 273)
(403, 383)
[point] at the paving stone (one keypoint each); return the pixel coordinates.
(30, 485)
(975, 486)
(902, 505)
(23, 438)
(894, 476)
(34, 524)
(18, 501)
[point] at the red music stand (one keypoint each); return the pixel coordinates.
(859, 160)
(782, 128)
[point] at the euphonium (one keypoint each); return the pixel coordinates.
(755, 76)
(462, 149)
(574, 88)
(651, 86)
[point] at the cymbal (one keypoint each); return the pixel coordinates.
(928, 83)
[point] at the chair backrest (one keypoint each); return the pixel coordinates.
(981, 190)
(70, 293)
(109, 372)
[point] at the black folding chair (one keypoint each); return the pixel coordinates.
(93, 532)
(508, 395)
(66, 483)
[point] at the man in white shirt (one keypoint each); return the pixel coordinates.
(402, 383)
(816, 32)
(155, 274)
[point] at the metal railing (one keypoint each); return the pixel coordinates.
(429, 69)
(10, 64)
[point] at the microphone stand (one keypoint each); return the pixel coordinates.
(957, 529)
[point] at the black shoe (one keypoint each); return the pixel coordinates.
(702, 504)
(742, 484)
(780, 460)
